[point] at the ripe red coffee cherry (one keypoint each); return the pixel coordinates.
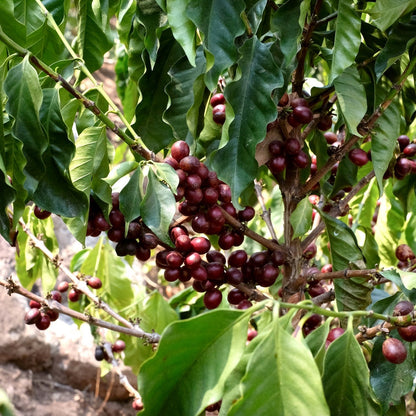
(200, 244)
(276, 147)
(404, 307)
(316, 290)
(292, 146)
(53, 315)
(244, 304)
(268, 275)
(74, 295)
(142, 253)
(394, 350)
(246, 214)
(63, 286)
(32, 316)
(292, 121)
(94, 282)
(115, 234)
(172, 162)
(116, 218)
(218, 114)
(327, 268)
(193, 260)
(277, 164)
(56, 295)
(226, 240)
(310, 251)
(34, 304)
(100, 223)
(302, 114)
(408, 333)
(325, 123)
(301, 160)
(189, 164)
(330, 137)
(333, 334)
(235, 296)
(44, 322)
(179, 150)
(40, 213)
(210, 196)
(149, 240)
(171, 275)
(234, 276)
(403, 141)
(284, 100)
(217, 99)
(402, 168)
(183, 243)
(214, 256)
(237, 258)
(404, 253)
(174, 259)
(118, 346)
(224, 193)
(358, 156)
(251, 333)
(215, 271)
(212, 298)
(410, 150)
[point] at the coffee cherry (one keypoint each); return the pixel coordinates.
(235, 296)
(330, 137)
(217, 99)
(199, 273)
(234, 276)
(310, 251)
(171, 275)
(115, 234)
(301, 160)
(302, 114)
(215, 271)
(246, 214)
(251, 334)
(118, 346)
(63, 286)
(333, 334)
(200, 223)
(200, 245)
(327, 268)
(358, 156)
(171, 162)
(297, 102)
(126, 247)
(40, 213)
(277, 164)
(268, 275)
(116, 218)
(134, 231)
(44, 322)
(408, 333)
(53, 315)
(402, 308)
(189, 164)
(210, 196)
(218, 114)
(394, 350)
(224, 193)
(212, 298)
(237, 258)
(276, 147)
(74, 295)
(316, 290)
(34, 304)
(244, 304)
(277, 257)
(193, 260)
(402, 168)
(100, 353)
(142, 253)
(403, 141)
(94, 283)
(214, 256)
(193, 181)
(179, 150)
(311, 323)
(410, 150)
(174, 259)
(325, 123)
(226, 240)
(100, 223)
(32, 316)
(137, 404)
(292, 146)
(404, 253)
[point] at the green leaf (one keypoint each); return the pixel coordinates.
(390, 382)
(6, 407)
(158, 207)
(254, 109)
(10, 25)
(351, 97)
(92, 42)
(149, 113)
(398, 41)
(131, 196)
(202, 367)
(183, 77)
(285, 23)
(24, 100)
(389, 227)
(220, 22)
(103, 263)
(386, 12)
(345, 377)
(29, 14)
(347, 38)
(301, 218)
(354, 293)
(281, 378)
(120, 170)
(166, 174)
(384, 140)
(182, 27)
(55, 192)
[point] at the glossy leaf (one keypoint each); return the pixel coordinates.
(351, 97)
(345, 377)
(354, 293)
(24, 99)
(11, 26)
(155, 132)
(182, 27)
(275, 384)
(202, 367)
(347, 38)
(386, 12)
(254, 109)
(384, 141)
(301, 218)
(220, 22)
(158, 207)
(131, 196)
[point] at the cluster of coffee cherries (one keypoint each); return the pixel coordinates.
(404, 165)
(393, 349)
(218, 108)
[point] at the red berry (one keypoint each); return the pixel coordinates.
(402, 168)
(35, 304)
(333, 334)
(246, 214)
(217, 99)
(301, 160)
(325, 123)
(402, 308)
(403, 141)
(394, 350)
(237, 258)
(234, 276)
(302, 114)
(408, 333)
(63, 286)
(32, 316)
(193, 260)
(56, 295)
(276, 147)
(142, 253)
(116, 218)
(404, 253)
(218, 114)
(200, 244)
(251, 333)
(171, 275)
(292, 146)
(174, 260)
(179, 150)
(212, 298)
(40, 213)
(330, 137)
(296, 102)
(244, 304)
(235, 296)
(215, 271)
(94, 282)
(137, 404)
(277, 164)
(410, 150)
(44, 322)
(310, 251)
(358, 156)
(118, 346)
(74, 295)
(189, 164)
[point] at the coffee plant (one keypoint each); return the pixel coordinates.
(260, 172)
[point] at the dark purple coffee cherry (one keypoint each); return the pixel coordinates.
(330, 137)
(394, 350)
(217, 99)
(44, 322)
(358, 156)
(402, 308)
(218, 114)
(40, 213)
(32, 316)
(100, 353)
(333, 334)
(403, 141)
(292, 146)
(302, 114)
(212, 298)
